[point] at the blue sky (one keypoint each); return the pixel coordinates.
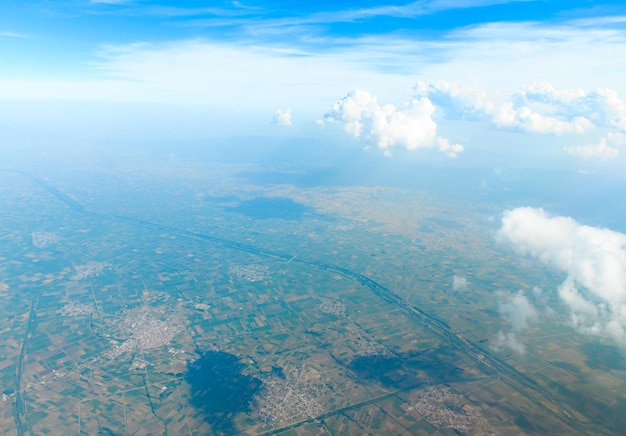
(446, 75)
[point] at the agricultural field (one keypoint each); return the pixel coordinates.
(198, 299)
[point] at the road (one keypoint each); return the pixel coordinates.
(481, 356)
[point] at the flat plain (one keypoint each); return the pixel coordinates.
(184, 298)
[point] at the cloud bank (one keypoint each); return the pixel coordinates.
(409, 127)
(593, 259)
(307, 66)
(537, 108)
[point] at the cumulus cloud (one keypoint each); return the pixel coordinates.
(456, 100)
(535, 108)
(450, 150)
(459, 283)
(519, 313)
(594, 260)
(518, 310)
(609, 108)
(410, 126)
(524, 118)
(510, 341)
(538, 108)
(283, 117)
(606, 148)
(600, 107)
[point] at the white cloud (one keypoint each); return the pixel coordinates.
(450, 150)
(538, 108)
(459, 283)
(410, 126)
(312, 22)
(412, 9)
(541, 299)
(610, 108)
(594, 260)
(544, 92)
(301, 65)
(457, 100)
(606, 148)
(584, 313)
(320, 68)
(526, 119)
(283, 117)
(518, 310)
(601, 106)
(186, 72)
(510, 341)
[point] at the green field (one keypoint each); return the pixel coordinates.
(159, 303)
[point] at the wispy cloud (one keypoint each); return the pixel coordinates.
(172, 12)
(600, 21)
(136, 8)
(528, 51)
(417, 8)
(203, 71)
(14, 35)
(285, 20)
(112, 2)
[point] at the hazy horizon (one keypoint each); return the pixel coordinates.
(260, 218)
